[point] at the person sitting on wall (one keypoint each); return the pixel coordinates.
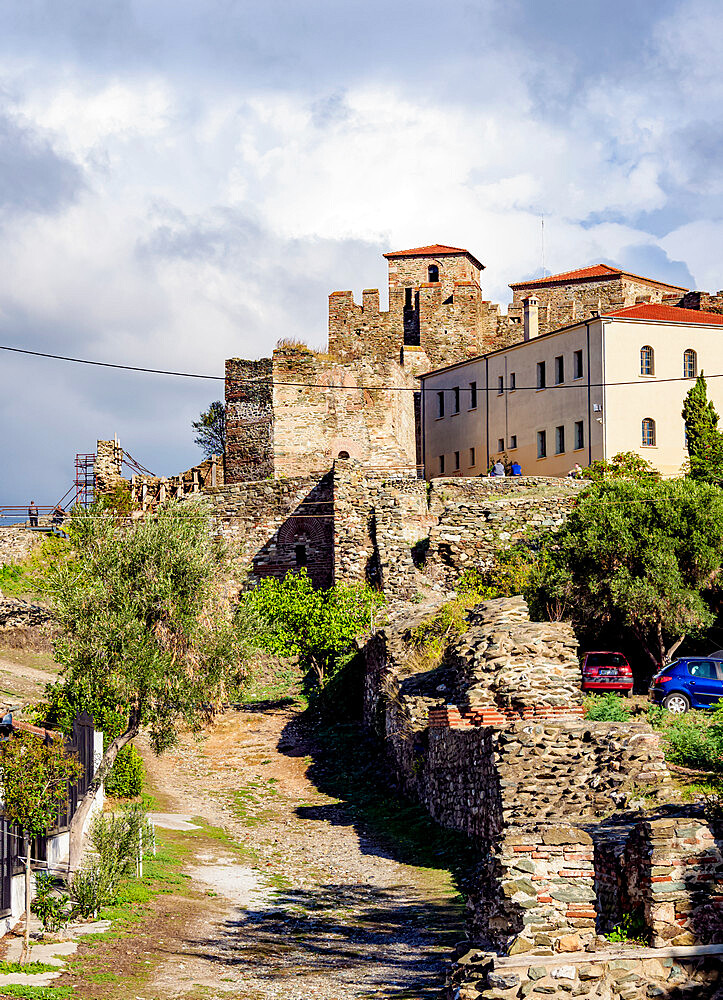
(575, 473)
(498, 468)
(33, 514)
(58, 515)
(516, 469)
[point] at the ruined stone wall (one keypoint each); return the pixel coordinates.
(705, 301)
(16, 544)
(108, 465)
(249, 420)
(566, 303)
(277, 526)
(533, 786)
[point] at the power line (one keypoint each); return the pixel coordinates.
(493, 390)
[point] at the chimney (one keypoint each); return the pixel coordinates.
(531, 319)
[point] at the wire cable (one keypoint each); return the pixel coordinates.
(493, 390)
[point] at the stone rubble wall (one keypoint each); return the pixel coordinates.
(673, 869)
(16, 614)
(612, 974)
(16, 544)
(536, 794)
(268, 521)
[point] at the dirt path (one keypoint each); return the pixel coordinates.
(314, 905)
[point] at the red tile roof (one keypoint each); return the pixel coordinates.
(656, 312)
(590, 274)
(435, 250)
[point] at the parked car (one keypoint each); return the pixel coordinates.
(693, 682)
(605, 671)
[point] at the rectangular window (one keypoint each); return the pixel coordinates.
(541, 379)
(300, 551)
(456, 459)
(513, 381)
(441, 465)
(579, 435)
(542, 444)
(513, 441)
(500, 384)
(500, 444)
(577, 364)
(407, 298)
(559, 440)
(473, 395)
(455, 395)
(559, 370)
(440, 405)
(472, 458)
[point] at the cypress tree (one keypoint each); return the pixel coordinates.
(704, 440)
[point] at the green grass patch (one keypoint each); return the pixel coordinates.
(28, 969)
(38, 992)
(273, 681)
(25, 579)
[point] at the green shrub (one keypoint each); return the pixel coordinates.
(632, 927)
(605, 708)
(693, 740)
(125, 780)
(116, 841)
(49, 906)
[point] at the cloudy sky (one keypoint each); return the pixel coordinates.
(186, 181)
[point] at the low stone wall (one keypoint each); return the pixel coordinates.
(610, 974)
(16, 614)
(16, 544)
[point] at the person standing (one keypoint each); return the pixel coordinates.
(33, 514)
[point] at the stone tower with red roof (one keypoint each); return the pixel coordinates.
(436, 313)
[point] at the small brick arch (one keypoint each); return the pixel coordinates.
(292, 530)
(352, 448)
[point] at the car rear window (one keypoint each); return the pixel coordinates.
(702, 668)
(605, 660)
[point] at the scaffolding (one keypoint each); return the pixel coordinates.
(84, 479)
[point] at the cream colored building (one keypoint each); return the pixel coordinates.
(607, 384)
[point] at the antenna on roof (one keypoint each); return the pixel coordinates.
(542, 241)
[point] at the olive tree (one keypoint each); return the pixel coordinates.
(144, 628)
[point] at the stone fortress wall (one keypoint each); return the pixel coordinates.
(577, 823)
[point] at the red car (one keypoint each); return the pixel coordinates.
(605, 671)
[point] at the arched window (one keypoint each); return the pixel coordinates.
(343, 454)
(433, 272)
(647, 361)
(648, 433)
(690, 363)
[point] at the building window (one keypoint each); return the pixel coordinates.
(513, 442)
(300, 551)
(500, 384)
(433, 272)
(577, 364)
(500, 444)
(343, 454)
(455, 394)
(513, 381)
(542, 444)
(648, 433)
(647, 360)
(407, 298)
(456, 459)
(472, 458)
(441, 465)
(690, 363)
(541, 379)
(579, 435)
(559, 370)
(473, 395)
(440, 405)
(559, 440)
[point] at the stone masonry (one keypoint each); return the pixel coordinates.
(492, 743)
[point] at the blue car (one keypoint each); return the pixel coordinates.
(693, 682)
